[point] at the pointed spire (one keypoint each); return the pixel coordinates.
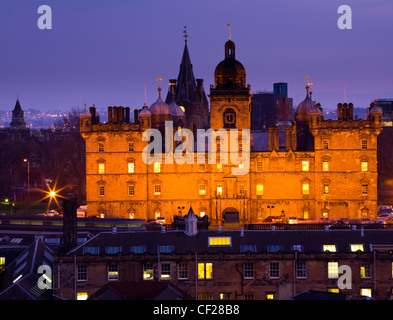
(185, 84)
(159, 86)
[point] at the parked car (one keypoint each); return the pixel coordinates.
(273, 219)
(51, 213)
(292, 220)
(161, 220)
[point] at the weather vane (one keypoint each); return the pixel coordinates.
(159, 84)
(308, 83)
(229, 27)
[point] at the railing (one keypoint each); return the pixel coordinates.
(316, 226)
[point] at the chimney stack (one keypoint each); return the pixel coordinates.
(136, 116)
(287, 138)
(276, 139)
(270, 139)
(110, 114)
(116, 114)
(70, 207)
(93, 114)
(339, 111)
(127, 115)
(121, 114)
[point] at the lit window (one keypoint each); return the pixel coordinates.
(332, 270)
(270, 296)
(148, 271)
(131, 167)
(274, 270)
(364, 189)
(113, 272)
(248, 270)
(165, 271)
(100, 147)
(101, 168)
(157, 189)
(131, 190)
(301, 271)
(205, 270)
(157, 167)
(325, 144)
(305, 166)
(101, 191)
(364, 144)
(259, 166)
(2, 264)
(202, 214)
(305, 188)
(329, 247)
(305, 214)
(366, 292)
(219, 167)
(356, 247)
(202, 189)
(225, 296)
(182, 271)
(81, 296)
(220, 241)
(334, 290)
(325, 189)
(219, 190)
(364, 166)
(259, 189)
(325, 166)
(365, 271)
(240, 165)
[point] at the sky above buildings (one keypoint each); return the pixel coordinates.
(104, 52)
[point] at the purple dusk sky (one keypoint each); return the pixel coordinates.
(103, 52)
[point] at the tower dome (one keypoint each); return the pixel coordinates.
(230, 73)
(305, 107)
(160, 107)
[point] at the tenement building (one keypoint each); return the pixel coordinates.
(309, 168)
(229, 264)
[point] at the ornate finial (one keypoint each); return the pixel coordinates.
(229, 27)
(159, 85)
(308, 84)
(185, 34)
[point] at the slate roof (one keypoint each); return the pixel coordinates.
(263, 241)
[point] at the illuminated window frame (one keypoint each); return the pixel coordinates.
(219, 167)
(305, 166)
(305, 188)
(329, 247)
(156, 167)
(259, 189)
(202, 189)
(357, 247)
(364, 166)
(101, 168)
(148, 271)
(332, 270)
(325, 189)
(366, 292)
(157, 189)
(219, 190)
(113, 272)
(325, 166)
(365, 271)
(131, 167)
(165, 271)
(205, 270)
(220, 241)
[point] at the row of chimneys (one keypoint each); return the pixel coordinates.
(290, 138)
(119, 114)
(345, 111)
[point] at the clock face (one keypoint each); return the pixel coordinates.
(229, 118)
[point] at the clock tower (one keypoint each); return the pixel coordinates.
(230, 98)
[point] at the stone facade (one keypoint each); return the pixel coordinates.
(333, 177)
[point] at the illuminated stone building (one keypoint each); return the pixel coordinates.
(312, 168)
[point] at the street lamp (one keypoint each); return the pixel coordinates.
(270, 207)
(28, 177)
